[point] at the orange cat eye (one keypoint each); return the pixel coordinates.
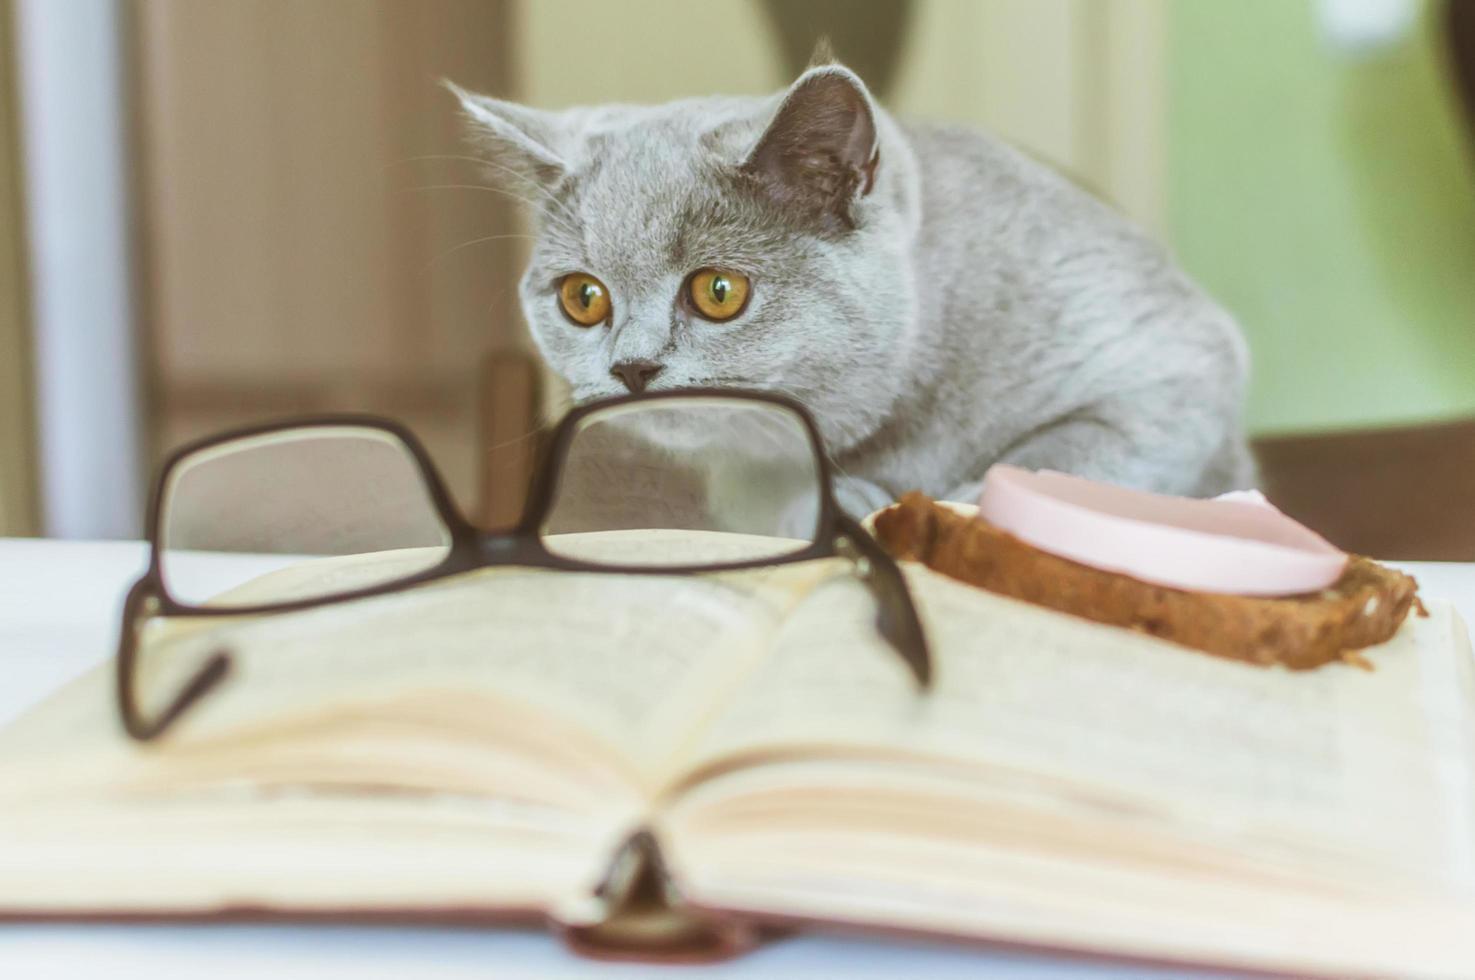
(584, 299)
(718, 294)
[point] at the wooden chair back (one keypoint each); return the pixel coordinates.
(1406, 492)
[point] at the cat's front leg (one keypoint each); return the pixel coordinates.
(1080, 445)
(1167, 452)
(1085, 446)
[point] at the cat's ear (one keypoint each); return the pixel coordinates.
(819, 152)
(517, 141)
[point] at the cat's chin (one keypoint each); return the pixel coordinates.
(696, 430)
(670, 431)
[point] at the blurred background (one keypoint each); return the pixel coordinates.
(217, 211)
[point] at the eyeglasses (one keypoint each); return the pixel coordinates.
(670, 483)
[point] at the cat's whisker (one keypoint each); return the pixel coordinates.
(474, 241)
(544, 419)
(552, 411)
(523, 180)
(497, 297)
(547, 195)
(484, 188)
(537, 430)
(461, 157)
(562, 222)
(500, 168)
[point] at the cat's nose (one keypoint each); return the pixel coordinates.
(636, 374)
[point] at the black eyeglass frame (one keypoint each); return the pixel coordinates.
(471, 548)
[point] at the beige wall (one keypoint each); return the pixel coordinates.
(17, 460)
(1078, 82)
(653, 50)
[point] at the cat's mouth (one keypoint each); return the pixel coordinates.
(584, 395)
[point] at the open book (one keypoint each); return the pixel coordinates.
(673, 765)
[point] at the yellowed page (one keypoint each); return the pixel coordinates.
(1334, 764)
(306, 851)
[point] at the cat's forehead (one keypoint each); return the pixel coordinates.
(718, 126)
(650, 191)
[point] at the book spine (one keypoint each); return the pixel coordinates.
(640, 915)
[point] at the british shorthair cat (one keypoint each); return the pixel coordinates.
(939, 300)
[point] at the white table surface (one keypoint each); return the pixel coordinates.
(59, 603)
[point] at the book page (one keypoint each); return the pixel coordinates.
(1350, 761)
(587, 669)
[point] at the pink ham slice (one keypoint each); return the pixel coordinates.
(1237, 544)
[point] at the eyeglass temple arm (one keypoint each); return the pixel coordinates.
(896, 614)
(140, 605)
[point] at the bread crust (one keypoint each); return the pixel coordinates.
(1365, 606)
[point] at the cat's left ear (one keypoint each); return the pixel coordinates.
(819, 153)
(518, 140)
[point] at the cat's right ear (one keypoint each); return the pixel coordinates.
(517, 141)
(819, 154)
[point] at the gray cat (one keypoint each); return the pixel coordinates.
(939, 300)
